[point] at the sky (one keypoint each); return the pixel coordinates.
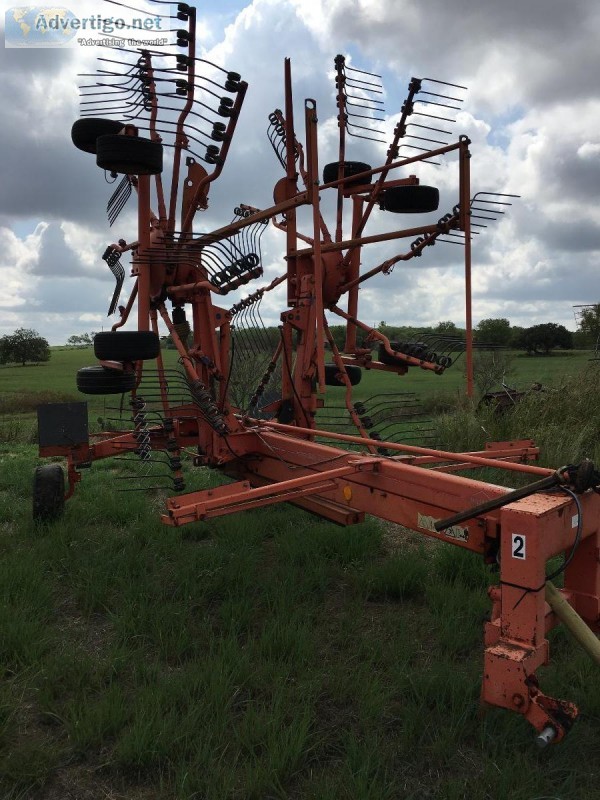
(532, 111)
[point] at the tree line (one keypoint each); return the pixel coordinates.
(497, 332)
(26, 345)
(493, 333)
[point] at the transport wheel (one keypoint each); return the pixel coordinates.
(126, 345)
(331, 373)
(330, 172)
(130, 155)
(99, 380)
(48, 492)
(86, 130)
(410, 199)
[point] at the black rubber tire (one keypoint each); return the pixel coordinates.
(131, 155)
(85, 132)
(330, 172)
(48, 492)
(331, 371)
(126, 345)
(410, 199)
(99, 380)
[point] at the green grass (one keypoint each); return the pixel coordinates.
(24, 388)
(54, 376)
(267, 655)
(435, 390)
(58, 375)
(563, 422)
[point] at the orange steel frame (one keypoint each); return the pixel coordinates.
(273, 462)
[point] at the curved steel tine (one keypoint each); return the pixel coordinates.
(446, 83)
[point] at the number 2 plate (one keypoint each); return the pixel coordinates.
(518, 546)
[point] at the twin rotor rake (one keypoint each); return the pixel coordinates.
(300, 431)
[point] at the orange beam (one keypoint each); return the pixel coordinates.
(445, 455)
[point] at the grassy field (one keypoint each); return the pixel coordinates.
(58, 375)
(263, 656)
(23, 388)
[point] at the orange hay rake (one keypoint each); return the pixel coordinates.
(149, 104)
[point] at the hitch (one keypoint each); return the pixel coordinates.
(576, 477)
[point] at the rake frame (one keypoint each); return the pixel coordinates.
(283, 459)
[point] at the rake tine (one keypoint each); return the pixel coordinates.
(446, 83)
(491, 202)
(116, 210)
(443, 96)
(364, 104)
(362, 72)
(356, 84)
(495, 194)
(428, 127)
(364, 99)
(424, 139)
(449, 241)
(103, 72)
(421, 150)
(112, 258)
(105, 97)
(360, 136)
(433, 116)
(441, 105)
(366, 128)
(115, 299)
(118, 199)
(367, 116)
(113, 87)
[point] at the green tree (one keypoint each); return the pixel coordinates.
(589, 324)
(515, 334)
(493, 331)
(541, 339)
(81, 340)
(339, 335)
(4, 349)
(24, 345)
(446, 326)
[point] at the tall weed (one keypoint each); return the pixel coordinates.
(563, 422)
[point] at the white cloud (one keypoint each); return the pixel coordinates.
(18, 258)
(531, 112)
(91, 318)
